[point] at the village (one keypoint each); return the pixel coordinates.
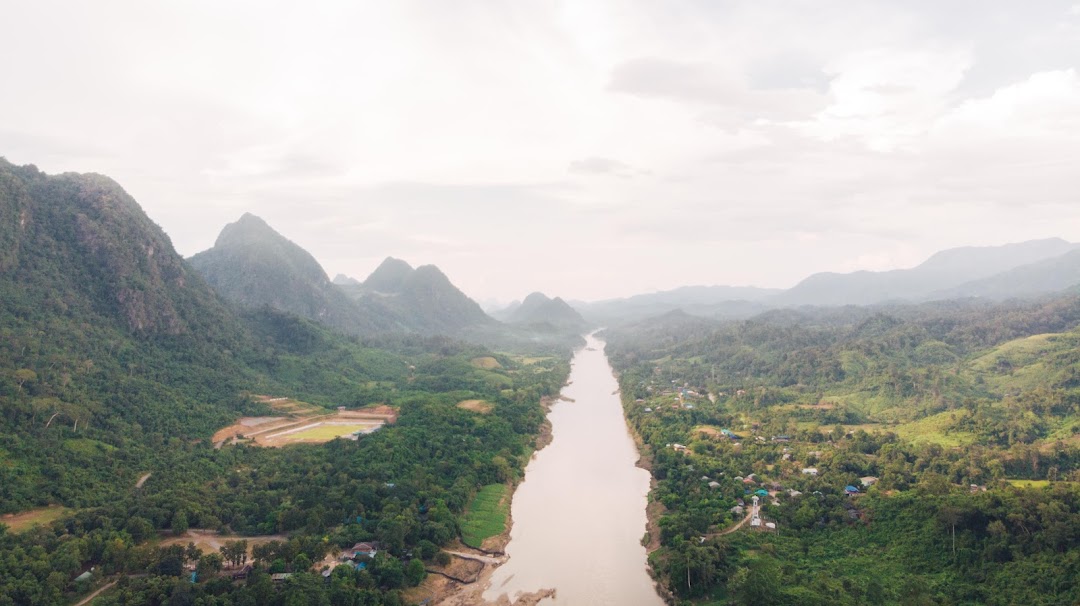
(746, 473)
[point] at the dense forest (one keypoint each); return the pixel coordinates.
(917, 454)
(118, 363)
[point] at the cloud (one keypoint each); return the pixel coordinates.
(765, 141)
(714, 86)
(602, 166)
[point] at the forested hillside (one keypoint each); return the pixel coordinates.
(118, 363)
(908, 454)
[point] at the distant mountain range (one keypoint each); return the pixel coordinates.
(951, 271)
(1021, 270)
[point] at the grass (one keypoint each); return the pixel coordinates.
(1030, 483)
(486, 516)
(21, 522)
(326, 432)
(934, 429)
(88, 447)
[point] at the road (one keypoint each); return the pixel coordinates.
(90, 598)
(754, 511)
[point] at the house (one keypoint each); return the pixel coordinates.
(714, 484)
(737, 510)
(794, 493)
(770, 525)
(84, 577)
(755, 522)
(241, 573)
(810, 471)
(868, 481)
(679, 447)
(748, 481)
(787, 456)
(850, 490)
(359, 550)
(647, 409)
(761, 492)
(279, 577)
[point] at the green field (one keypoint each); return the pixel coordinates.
(486, 516)
(326, 432)
(1030, 483)
(935, 429)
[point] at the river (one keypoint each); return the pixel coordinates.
(579, 514)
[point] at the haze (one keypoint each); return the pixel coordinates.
(586, 149)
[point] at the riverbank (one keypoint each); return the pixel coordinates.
(446, 591)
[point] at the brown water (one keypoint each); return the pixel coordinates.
(579, 515)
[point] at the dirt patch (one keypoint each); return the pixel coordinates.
(479, 406)
(25, 520)
(712, 432)
(210, 541)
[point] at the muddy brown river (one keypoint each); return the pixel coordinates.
(579, 515)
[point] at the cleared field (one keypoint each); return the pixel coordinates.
(935, 429)
(479, 406)
(486, 516)
(324, 432)
(25, 520)
(1030, 483)
(303, 423)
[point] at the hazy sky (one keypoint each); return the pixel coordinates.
(587, 149)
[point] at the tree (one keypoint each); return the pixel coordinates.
(415, 573)
(235, 552)
(179, 523)
(209, 564)
(24, 375)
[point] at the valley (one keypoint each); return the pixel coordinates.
(369, 440)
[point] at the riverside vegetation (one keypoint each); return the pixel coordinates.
(929, 414)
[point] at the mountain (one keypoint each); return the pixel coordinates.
(941, 272)
(537, 308)
(422, 299)
(1048, 276)
(107, 330)
(78, 243)
(722, 302)
(343, 280)
(254, 266)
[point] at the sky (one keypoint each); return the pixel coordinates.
(587, 149)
